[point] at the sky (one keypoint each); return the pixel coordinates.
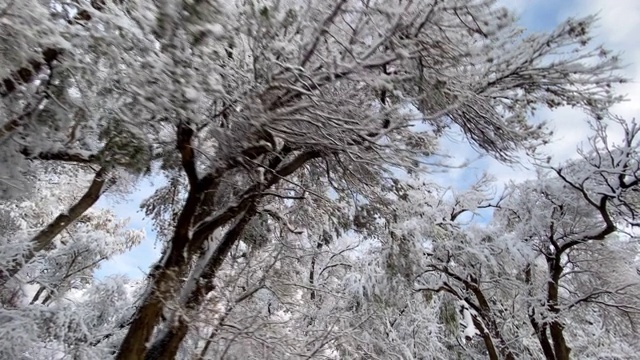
(618, 28)
(135, 263)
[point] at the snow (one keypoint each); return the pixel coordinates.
(384, 290)
(469, 328)
(192, 94)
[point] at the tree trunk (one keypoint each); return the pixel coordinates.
(166, 347)
(165, 276)
(543, 339)
(556, 329)
(163, 282)
(559, 343)
(134, 346)
(541, 331)
(487, 316)
(486, 338)
(312, 271)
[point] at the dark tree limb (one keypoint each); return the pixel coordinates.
(62, 155)
(164, 276)
(44, 239)
(166, 347)
(540, 329)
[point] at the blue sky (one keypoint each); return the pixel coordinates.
(136, 262)
(619, 27)
(540, 15)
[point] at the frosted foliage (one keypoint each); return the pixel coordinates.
(80, 326)
(290, 147)
(557, 255)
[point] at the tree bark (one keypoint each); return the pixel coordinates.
(486, 338)
(312, 271)
(560, 346)
(541, 331)
(164, 276)
(487, 316)
(166, 347)
(556, 328)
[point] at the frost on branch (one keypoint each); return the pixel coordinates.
(282, 126)
(542, 261)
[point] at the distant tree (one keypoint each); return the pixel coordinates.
(557, 256)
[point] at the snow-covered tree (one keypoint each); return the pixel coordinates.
(557, 256)
(281, 127)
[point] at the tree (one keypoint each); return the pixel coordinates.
(325, 109)
(251, 108)
(557, 253)
(56, 106)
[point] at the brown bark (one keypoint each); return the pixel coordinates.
(167, 346)
(560, 346)
(486, 338)
(555, 268)
(543, 339)
(483, 310)
(487, 316)
(483, 319)
(164, 276)
(45, 237)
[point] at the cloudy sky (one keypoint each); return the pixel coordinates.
(619, 22)
(618, 28)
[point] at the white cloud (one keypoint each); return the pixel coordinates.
(618, 29)
(620, 19)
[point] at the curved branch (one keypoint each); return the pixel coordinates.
(44, 239)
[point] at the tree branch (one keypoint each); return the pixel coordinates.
(60, 155)
(44, 238)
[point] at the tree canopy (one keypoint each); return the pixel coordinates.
(296, 141)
